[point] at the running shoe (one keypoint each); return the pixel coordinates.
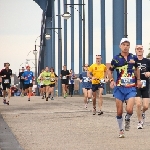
(121, 134)
(127, 125)
(100, 112)
(4, 101)
(140, 125)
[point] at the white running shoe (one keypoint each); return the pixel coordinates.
(140, 125)
(121, 134)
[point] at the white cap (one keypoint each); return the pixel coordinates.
(124, 40)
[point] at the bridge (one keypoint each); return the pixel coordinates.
(49, 27)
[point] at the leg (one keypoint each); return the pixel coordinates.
(64, 90)
(89, 94)
(52, 93)
(138, 108)
(100, 101)
(85, 97)
(47, 92)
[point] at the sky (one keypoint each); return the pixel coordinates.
(21, 22)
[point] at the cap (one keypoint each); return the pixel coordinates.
(124, 40)
(138, 46)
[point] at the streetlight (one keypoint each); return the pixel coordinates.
(67, 15)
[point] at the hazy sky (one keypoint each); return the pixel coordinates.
(21, 22)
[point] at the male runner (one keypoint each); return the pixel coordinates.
(6, 82)
(126, 67)
(86, 85)
(28, 81)
(64, 80)
(98, 76)
(45, 76)
(21, 82)
(143, 92)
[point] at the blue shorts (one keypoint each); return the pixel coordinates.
(95, 87)
(124, 93)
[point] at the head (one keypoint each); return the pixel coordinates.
(28, 68)
(124, 45)
(22, 69)
(46, 69)
(42, 70)
(52, 70)
(64, 67)
(70, 71)
(98, 59)
(6, 65)
(139, 50)
(86, 67)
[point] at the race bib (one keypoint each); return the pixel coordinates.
(85, 79)
(47, 78)
(102, 80)
(6, 81)
(143, 83)
(126, 80)
(30, 81)
(52, 79)
(64, 77)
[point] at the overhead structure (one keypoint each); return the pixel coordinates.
(48, 41)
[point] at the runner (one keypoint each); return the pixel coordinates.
(53, 79)
(28, 81)
(64, 80)
(98, 76)
(71, 82)
(40, 82)
(21, 82)
(126, 67)
(6, 82)
(86, 85)
(45, 77)
(143, 92)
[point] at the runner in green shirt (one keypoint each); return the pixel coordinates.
(45, 76)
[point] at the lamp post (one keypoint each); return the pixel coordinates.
(67, 15)
(35, 58)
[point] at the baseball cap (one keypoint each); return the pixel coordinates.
(139, 46)
(124, 40)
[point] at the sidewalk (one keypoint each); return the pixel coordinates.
(64, 124)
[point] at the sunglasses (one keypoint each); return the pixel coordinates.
(98, 55)
(86, 66)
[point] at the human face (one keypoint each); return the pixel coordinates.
(125, 46)
(51, 70)
(7, 66)
(64, 67)
(86, 67)
(98, 59)
(139, 50)
(47, 69)
(22, 69)
(28, 68)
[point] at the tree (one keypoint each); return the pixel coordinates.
(148, 55)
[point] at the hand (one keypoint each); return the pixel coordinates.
(147, 74)
(112, 84)
(106, 79)
(94, 78)
(4, 76)
(139, 84)
(131, 61)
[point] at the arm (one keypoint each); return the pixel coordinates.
(89, 72)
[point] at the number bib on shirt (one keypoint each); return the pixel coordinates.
(126, 80)
(52, 79)
(64, 77)
(143, 83)
(30, 81)
(85, 79)
(102, 80)
(6, 81)
(47, 78)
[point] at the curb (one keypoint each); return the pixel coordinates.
(7, 139)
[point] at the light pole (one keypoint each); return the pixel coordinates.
(67, 15)
(35, 54)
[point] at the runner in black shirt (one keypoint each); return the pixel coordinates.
(21, 81)
(6, 82)
(64, 79)
(143, 92)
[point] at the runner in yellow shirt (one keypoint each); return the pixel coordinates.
(98, 76)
